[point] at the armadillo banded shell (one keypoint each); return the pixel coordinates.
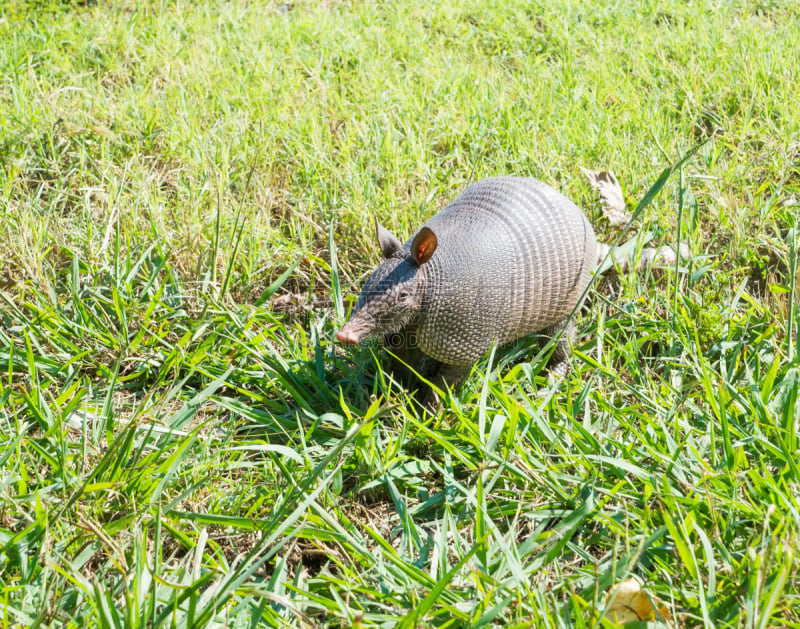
(514, 257)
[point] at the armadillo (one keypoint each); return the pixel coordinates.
(508, 257)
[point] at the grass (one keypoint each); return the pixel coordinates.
(187, 195)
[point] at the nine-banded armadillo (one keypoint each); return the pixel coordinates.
(508, 257)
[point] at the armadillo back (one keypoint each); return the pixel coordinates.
(514, 257)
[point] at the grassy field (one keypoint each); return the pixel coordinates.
(186, 202)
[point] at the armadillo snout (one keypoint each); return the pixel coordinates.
(348, 337)
(358, 329)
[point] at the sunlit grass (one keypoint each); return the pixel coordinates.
(186, 196)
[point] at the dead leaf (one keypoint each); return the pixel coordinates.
(624, 258)
(663, 256)
(288, 302)
(628, 602)
(605, 182)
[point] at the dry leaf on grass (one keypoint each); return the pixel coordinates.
(293, 303)
(626, 259)
(610, 193)
(628, 602)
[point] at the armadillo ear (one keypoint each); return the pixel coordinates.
(387, 241)
(423, 246)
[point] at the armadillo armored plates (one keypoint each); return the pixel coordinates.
(508, 257)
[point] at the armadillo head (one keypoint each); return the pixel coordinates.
(392, 296)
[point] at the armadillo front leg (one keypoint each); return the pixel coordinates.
(448, 376)
(409, 363)
(417, 371)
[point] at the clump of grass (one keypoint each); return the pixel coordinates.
(178, 448)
